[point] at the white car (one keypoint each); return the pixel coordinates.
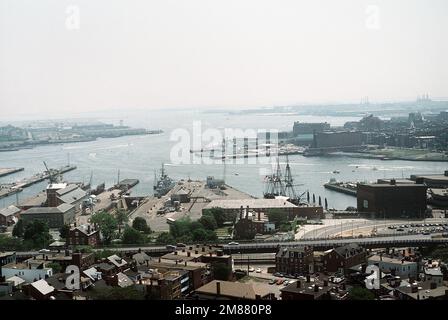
(258, 270)
(44, 251)
(251, 269)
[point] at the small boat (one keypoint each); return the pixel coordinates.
(374, 168)
(336, 171)
(237, 174)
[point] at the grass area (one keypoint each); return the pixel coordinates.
(222, 232)
(409, 154)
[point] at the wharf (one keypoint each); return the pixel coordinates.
(26, 182)
(7, 171)
(199, 194)
(346, 188)
(6, 192)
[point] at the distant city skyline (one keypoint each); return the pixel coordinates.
(76, 57)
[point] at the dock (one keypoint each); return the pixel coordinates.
(26, 182)
(7, 171)
(6, 192)
(348, 188)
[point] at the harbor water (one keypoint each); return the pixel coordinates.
(139, 156)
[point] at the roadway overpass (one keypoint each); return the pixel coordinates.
(272, 247)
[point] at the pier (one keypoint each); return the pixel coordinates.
(26, 182)
(7, 171)
(348, 188)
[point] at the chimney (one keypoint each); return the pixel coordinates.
(393, 182)
(381, 257)
(299, 284)
(259, 215)
(203, 249)
(241, 212)
(308, 279)
(185, 263)
(188, 254)
(88, 229)
(211, 254)
(218, 288)
(175, 253)
(159, 259)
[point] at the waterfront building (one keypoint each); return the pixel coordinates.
(55, 217)
(392, 200)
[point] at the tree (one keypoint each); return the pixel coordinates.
(209, 222)
(360, 293)
(57, 268)
(165, 238)
(196, 225)
(64, 231)
(107, 224)
(221, 271)
(218, 214)
(199, 234)
(211, 235)
(278, 217)
(37, 234)
(180, 227)
(132, 236)
(140, 224)
(18, 229)
(121, 216)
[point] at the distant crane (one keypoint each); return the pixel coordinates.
(52, 178)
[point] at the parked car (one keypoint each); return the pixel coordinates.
(44, 251)
(272, 281)
(258, 270)
(280, 281)
(251, 269)
(233, 243)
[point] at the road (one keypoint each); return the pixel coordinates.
(402, 240)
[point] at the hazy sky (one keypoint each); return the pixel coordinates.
(226, 53)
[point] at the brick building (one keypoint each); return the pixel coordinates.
(84, 235)
(343, 258)
(392, 200)
(295, 261)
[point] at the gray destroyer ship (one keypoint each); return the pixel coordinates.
(162, 184)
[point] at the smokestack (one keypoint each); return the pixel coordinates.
(218, 288)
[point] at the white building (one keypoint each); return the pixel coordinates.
(402, 268)
(27, 271)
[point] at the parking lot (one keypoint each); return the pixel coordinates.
(415, 228)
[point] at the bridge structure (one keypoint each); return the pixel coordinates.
(272, 247)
